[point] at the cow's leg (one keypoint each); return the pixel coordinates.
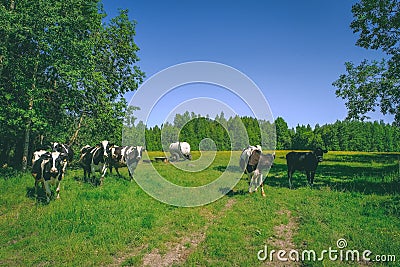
(261, 185)
(36, 183)
(58, 185)
(262, 189)
(111, 167)
(308, 177)
(64, 168)
(290, 175)
(47, 189)
(250, 182)
(92, 173)
(312, 174)
(130, 175)
(257, 180)
(103, 173)
(36, 187)
(117, 171)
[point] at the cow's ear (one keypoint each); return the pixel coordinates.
(98, 144)
(111, 145)
(325, 151)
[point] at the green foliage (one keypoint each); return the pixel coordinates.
(63, 69)
(374, 84)
(340, 136)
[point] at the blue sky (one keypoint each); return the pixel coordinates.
(292, 50)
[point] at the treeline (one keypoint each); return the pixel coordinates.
(237, 132)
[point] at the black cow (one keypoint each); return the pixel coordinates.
(125, 156)
(66, 154)
(47, 169)
(252, 162)
(304, 161)
(95, 158)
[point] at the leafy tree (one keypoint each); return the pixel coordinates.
(376, 83)
(61, 66)
(284, 140)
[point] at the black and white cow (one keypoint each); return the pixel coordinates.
(94, 159)
(125, 156)
(304, 161)
(66, 154)
(47, 170)
(252, 162)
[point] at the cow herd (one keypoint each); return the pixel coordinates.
(48, 167)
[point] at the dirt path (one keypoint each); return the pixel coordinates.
(179, 252)
(283, 239)
(176, 252)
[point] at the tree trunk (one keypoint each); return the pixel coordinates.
(75, 135)
(29, 119)
(27, 138)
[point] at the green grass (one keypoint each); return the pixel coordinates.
(355, 196)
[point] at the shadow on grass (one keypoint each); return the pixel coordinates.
(91, 181)
(364, 179)
(221, 168)
(384, 158)
(41, 197)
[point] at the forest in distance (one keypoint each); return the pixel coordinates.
(347, 135)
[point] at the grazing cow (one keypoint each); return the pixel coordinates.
(125, 155)
(66, 154)
(252, 162)
(47, 169)
(179, 150)
(304, 161)
(95, 158)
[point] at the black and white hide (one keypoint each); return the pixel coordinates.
(66, 154)
(94, 159)
(253, 162)
(47, 170)
(122, 156)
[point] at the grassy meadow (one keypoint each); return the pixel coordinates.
(356, 197)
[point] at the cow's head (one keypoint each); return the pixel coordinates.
(105, 146)
(319, 153)
(53, 166)
(56, 146)
(138, 152)
(134, 153)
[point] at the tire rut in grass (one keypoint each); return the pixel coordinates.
(283, 239)
(178, 252)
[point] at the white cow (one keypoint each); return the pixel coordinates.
(180, 150)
